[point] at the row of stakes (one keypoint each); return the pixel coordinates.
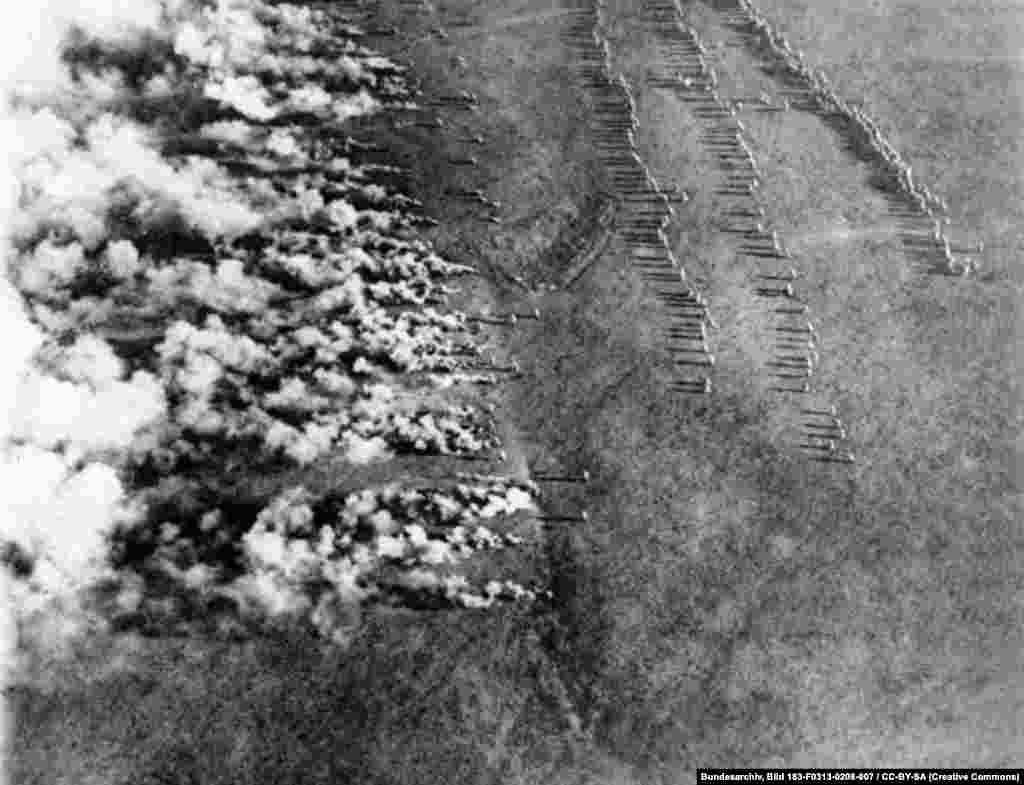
(510, 320)
(461, 101)
(466, 101)
(425, 116)
(823, 432)
(918, 212)
(652, 210)
(511, 370)
(646, 207)
(824, 436)
(794, 336)
(912, 207)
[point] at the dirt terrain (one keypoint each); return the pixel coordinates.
(755, 582)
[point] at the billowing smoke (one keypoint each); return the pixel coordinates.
(82, 184)
(61, 410)
(194, 283)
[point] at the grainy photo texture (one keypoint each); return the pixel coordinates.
(406, 392)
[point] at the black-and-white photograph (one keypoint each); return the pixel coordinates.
(505, 392)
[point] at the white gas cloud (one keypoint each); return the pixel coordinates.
(141, 333)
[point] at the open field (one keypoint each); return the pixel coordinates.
(729, 600)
